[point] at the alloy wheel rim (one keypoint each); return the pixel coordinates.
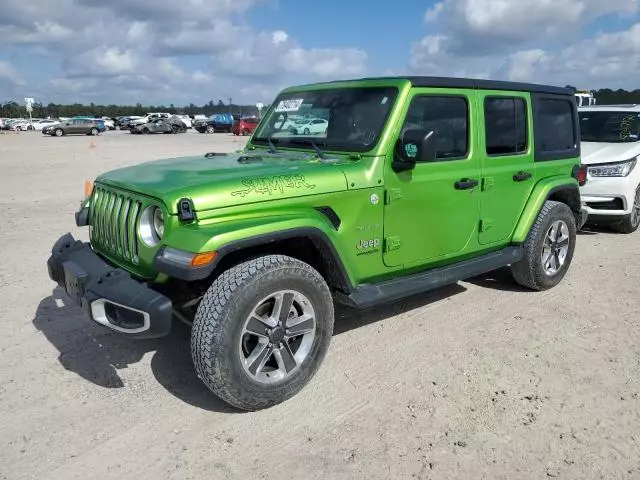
(555, 248)
(277, 336)
(635, 214)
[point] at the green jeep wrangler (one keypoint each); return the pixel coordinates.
(362, 191)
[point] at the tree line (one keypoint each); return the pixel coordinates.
(605, 96)
(54, 110)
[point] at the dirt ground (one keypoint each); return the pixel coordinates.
(480, 380)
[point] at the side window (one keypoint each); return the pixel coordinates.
(555, 125)
(447, 117)
(505, 124)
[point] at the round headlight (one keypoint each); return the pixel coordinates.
(151, 227)
(158, 222)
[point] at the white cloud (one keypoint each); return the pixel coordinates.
(279, 37)
(149, 51)
(10, 74)
(531, 41)
(434, 12)
(484, 26)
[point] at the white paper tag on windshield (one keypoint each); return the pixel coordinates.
(289, 105)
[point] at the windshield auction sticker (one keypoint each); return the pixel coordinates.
(292, 105)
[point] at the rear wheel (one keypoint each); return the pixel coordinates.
(262, 330)
(632, 221)
(548, 249)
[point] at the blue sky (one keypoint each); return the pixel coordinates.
(163, 51)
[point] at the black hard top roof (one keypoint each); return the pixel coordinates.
(455, 82)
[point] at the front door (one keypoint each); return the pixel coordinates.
(432, 211)
(507, 164)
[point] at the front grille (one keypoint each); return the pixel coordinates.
(114, 218)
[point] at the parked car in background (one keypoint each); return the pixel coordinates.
(309, 126)
(186, 119)
(75, 126)
(21, 125)
(172, 124)
(40, 124)
(124, 122)
(109, 123)
(610, 141)
(219, 122)
(148, 118)
(245, 126)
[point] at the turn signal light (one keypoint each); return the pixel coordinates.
(202, 259)
(87, 188)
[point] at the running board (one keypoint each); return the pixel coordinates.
(369, 295)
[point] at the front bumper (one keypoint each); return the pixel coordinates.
(108, 295)
(607, 197)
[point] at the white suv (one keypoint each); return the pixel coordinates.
(611, 149)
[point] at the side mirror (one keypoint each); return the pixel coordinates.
(416, 145)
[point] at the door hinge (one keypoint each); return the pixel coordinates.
(392, 195)
(391, 243)
(485, 224)
(487, 183)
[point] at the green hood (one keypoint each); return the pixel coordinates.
(223, 181)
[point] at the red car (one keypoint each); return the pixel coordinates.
(244, 126)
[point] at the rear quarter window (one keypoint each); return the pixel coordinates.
(556, 127)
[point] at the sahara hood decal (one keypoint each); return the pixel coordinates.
(276, 183)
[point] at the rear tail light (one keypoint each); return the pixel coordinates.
(579, 172)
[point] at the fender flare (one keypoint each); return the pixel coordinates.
(560, 189)
(320, 239)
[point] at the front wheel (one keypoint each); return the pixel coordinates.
(306, 131)
(210, 129)
(94, 132)
(262, 330)
(548, 249)
(58, 132)
(631, 222)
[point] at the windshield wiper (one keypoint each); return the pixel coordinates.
(306, 141)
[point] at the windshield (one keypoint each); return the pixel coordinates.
(609, 126)
(349, 119)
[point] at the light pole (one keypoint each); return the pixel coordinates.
(29, 104)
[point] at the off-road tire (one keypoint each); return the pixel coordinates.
(529, 272)
(218, 323)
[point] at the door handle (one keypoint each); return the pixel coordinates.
(466, 184)
(521, 176)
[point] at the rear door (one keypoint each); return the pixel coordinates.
(431, 212)
(506, 162)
